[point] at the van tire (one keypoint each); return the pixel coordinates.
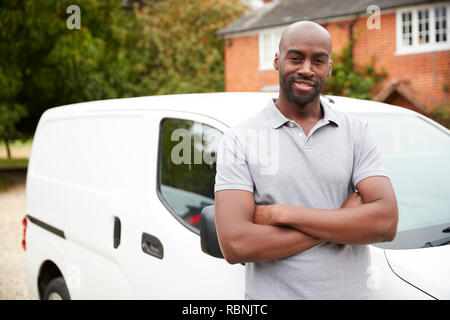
(56, 288)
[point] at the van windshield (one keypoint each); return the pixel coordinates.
(416, 154)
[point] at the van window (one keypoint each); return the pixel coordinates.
(416, 155)
(187, 168)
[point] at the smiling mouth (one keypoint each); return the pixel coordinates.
(304, 85)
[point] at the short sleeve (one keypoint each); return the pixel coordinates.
(368, 161)
(232, 170)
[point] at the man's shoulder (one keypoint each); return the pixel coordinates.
(255, 121)
(348, 121)
(248, 129)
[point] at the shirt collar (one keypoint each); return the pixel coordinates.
(274, 115)
(277, 119)
(329, 114)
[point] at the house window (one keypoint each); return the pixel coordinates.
(268, 46)
(407, 28)
(440, 15)
(422, 29)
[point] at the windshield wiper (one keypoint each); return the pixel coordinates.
(437, 243)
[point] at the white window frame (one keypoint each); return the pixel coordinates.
(416, 47)
(266, 51)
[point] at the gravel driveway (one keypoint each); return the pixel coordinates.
(13, 282)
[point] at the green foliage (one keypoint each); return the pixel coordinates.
(441, 114)
(352, 80)
(184, 53)
(47, 65)
(11, 114)
(166, 46)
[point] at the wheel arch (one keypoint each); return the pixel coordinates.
(48, 271)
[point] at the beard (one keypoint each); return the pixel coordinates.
(286, 85)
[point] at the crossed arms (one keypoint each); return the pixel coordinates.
(270, 232)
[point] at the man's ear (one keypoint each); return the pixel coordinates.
(275, 61)
(331, 69)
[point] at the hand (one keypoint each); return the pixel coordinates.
(264, 214)
(354, 200)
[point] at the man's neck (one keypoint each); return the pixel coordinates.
(311, 112)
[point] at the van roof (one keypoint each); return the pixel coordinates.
(228, 107)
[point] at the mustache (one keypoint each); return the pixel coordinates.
(300, 77)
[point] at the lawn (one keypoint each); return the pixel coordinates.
(20, 152)
(13, 162)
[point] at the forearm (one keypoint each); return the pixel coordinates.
(263, 243)
(368, 223)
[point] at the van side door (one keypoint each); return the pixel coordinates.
(167, 261)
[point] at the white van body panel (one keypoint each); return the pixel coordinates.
(80, 181)
(408, 264)
(385, 284)
(42, 246)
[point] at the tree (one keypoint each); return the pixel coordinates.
(10, 111)
(184, 54)
(11, 115)
(155, 47)
(51, 65)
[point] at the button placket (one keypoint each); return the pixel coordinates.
(299, 132)
(308, 141)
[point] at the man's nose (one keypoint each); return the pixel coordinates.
(305, 69)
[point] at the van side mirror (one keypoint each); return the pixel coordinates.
(208, 234)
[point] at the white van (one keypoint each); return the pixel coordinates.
(113, 205)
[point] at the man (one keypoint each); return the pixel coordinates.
(307, 238)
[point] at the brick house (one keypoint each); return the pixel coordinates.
(410, 39)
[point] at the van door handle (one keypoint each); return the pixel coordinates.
(152, 246)
(117, 232)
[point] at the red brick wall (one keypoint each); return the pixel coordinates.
(241, 66)
(340, 33)
(425, 71)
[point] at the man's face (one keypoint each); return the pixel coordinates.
(303, 65)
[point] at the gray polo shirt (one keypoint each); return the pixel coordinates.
(270, 156)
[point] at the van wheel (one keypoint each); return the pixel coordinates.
(56, 290)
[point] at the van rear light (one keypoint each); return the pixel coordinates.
(24, 223)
